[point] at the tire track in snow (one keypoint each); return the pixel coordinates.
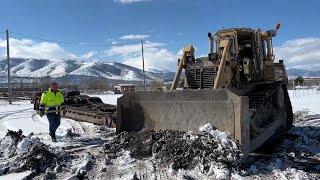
(8, 113)
(77, 127)
(36, 119)
(4, 116)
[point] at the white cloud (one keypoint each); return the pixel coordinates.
(27, 48)
(89, 54)
(299, 53)
(132, 37)
(155, 55)
(129, 1)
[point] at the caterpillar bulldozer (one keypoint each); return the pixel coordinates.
(238, 88)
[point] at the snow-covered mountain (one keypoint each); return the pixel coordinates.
(78, 70)
(57, 68)
(303, 73)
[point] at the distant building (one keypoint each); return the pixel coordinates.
(123, 88)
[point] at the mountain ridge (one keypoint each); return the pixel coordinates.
(77, 70)
(301, 72)
(56, 68)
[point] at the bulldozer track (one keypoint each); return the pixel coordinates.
(258, 104)
(102, 116)
(261, 96)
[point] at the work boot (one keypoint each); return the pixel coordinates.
(53, 138)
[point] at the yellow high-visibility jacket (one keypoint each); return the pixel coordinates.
(52, 102)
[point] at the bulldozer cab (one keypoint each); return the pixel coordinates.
(246, 51)
(248, 58)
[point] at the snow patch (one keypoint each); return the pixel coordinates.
(16, 176)
(24, 145)
(206, 128)
(125, 161)
(5, 146)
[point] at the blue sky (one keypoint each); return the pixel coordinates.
(166, 25)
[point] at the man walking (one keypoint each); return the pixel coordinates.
(52, 103)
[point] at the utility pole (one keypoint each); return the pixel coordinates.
(144, 76)
(8, 66)
(293, 89)
(303, 88)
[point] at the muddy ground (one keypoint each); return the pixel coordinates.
(207, 154)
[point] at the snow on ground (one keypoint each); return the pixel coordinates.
(305, 99)
(108, 98)
(87, 150)
(20, 115)
(16, 176)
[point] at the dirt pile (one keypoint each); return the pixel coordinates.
(38, 159)
(25, 153)
(180, 149)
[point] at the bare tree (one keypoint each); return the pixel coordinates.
(139, 87)
(45, 83)
(99, 84)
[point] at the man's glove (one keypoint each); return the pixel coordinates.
(63, 112)
(41, 113)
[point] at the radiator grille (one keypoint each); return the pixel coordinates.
(201, 78)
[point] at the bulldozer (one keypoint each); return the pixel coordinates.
(238, 88)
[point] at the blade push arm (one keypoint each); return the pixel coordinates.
(187, 50)
(226, 46)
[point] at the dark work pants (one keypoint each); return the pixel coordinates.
(54, 123)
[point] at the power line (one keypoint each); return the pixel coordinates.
(75, 44)
(32, 37)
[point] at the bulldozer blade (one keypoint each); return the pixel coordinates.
(187, 109)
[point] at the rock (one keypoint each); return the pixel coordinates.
(49, 175)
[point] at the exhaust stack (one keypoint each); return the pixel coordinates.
(210, 42)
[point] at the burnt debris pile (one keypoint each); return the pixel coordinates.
(25, 153)
(180, 149)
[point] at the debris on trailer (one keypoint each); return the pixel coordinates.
(84, 108)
